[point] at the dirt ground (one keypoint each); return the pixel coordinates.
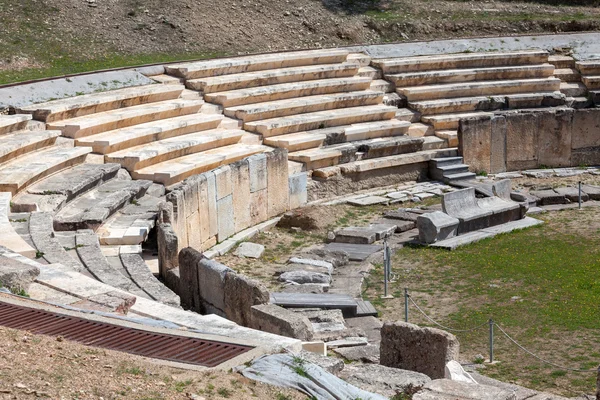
(35, 366)
(34, 33)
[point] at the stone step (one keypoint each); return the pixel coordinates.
(591, 82)
(450, 136)
(142, 276)
(484, 88)
(91, 209)
(573, 89)
(142, 156)
(17, 144)
(482, 103)
(460, 176)
(12, 123)
(405, 114)
(54, 192)
(446, 161)
(450, 121)
(361, 59)
(271, 77)
(471, 74)
(173, 171)
(370, 72)
(17, 174)
(381, 85)
(89, 251)
(320, 137)
(287, 91)
(434, 143)
(9, 238)
(420, 130)
(120, 139)
(167, 79)
(130, 225)
(461, 60)
(115, 119)
(224, 66)
(562, 61)
(48, 246)
(567, 74)
(318, 158)
(78, 106)
(441, 172)
(320, 119)
(301, 105)
(591, 67)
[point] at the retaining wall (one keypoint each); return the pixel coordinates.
(527, 139)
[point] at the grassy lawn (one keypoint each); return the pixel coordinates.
(540, 284)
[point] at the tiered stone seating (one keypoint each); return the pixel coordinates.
(590, 75)
(445, 88)
(310, 102)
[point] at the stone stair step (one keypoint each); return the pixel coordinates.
(460, 176)
(78, 106)
(361, 59)
(320, 119)
(420, 130)
(567, 74)
(287, 90)
(369, 72)
(224, 83)
(52, 193)
(591, 82)
(483, 88)
(130, 225)
(122, 118)
(142, 156)
(446, 161)
(120, 139)
(382, 85)
(224, 66)
(317, 158)
(173, 171)
(91, 209)
(591, 67)
(562, 61)
(49, 248)
(471, 74)
(434, 143)
(460, 60)
(450, 121)
(319, 137)
(89, 251)
(166, 79)
(405, 114)
(17, 174)
(17, 144)
(573, 89)
(9, 238)
(451, 136)
(142, 276)
(301, 105)
(12, 123)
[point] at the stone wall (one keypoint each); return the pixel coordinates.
(425, 350)
(208, 287)
(210, 207)
(527, 139)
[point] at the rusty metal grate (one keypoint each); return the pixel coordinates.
(181, 349)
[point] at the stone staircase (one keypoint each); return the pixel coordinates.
(322, 106)
(449, 169)
(445, 88)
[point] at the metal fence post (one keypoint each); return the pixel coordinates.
(386, 272)
(580, 195)
(491, 322)
(405, 304)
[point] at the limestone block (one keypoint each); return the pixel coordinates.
(521, 141)
(436, 226)
(189, 291)
(250, 250)
(211, 198)
(383, 380)
(587, 156)
(257, 165)
(190, 196)
(172, 280)
(318, 347)
(15, 274)
(455, 372)
(258, 206)
(211, 283)
(241, 293)
(278, 185)
(554, 138)
(447, 389)
(193, 226)
(298, 193)
(206, 215)
(167, 248)
(498, 145)
(223, 181)
(274, 319)
(225, 217)
(240, 176)
(586, 124)
(302, 277)
(475, 138)
(175, 197)
(425, 350)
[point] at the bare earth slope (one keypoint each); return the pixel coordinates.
(64, 35)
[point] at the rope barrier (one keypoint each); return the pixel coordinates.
(442, 326)
(595, 370)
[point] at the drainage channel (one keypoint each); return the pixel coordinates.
(161, 346)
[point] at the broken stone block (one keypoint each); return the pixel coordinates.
(445, 388)
(368, 201)
(274, 319)
(436, 226)
(241, 293)
(302, 277)
(356, 235)
(368, 354)
(115, 301)
(549, 197)
(572, 193)
(250, 250)
(592, 191)
(16, 275)
(383, 380)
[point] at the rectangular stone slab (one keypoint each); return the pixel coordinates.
(356, 252)
(309, 300)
